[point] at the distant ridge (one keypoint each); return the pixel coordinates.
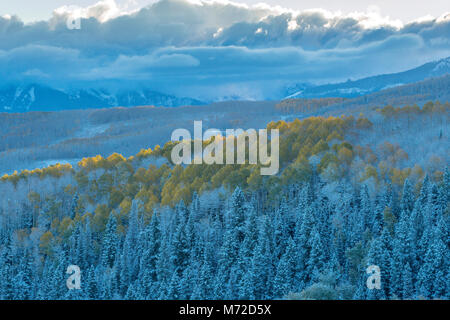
(437, 88)
(34, 97)
(351, 89)
(418, 93)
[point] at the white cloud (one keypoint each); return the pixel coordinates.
(175, 44)
(103, 11)
(108, 29)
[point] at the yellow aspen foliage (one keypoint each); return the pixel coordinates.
(417, 172)
(140, 176)
(65, 228)
(105, 183)
(125, 206)
(144, 153)
(237, 178)
(70, 190)
(35, 200)
(151, 202)
(296, 172)
(86, 216)
(345, 155)
(370, 172)
(55, 223)
(383, 170)
(181, 193)
(100, 218)
(45, 242)
(437, 175)
(334, 136)
(363, 123)
(398, 176)
(387, 111)
(319, 147)
(90, 163)
(197, 183)
(115, 198)
(428, 107)
(219, 177)
(254, 180)
(82, 179)
(326, 160)
(434, 163)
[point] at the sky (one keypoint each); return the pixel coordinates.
(30, 10)
(215, 49)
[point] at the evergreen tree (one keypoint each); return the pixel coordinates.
(408, 284)
(375, 257)
(283, 282)
(110, 242)
(316, 261)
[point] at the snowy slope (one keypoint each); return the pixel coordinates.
(35, 97)
(369, 85)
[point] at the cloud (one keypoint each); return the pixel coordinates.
(107, 30)
(132, 67)
(33, 60)
(212, 47)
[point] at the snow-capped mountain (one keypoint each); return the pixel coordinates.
(368, 85)
(36, 97)
(293, 90)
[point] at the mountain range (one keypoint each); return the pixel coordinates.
(351, 89)
(37, 97)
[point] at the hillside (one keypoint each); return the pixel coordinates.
(37, 139)
(227, 151)
(373, 84)
(417, 93)
(37, 97)
(349, 192)
(34, 97)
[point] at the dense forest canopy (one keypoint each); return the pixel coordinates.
(351, 192)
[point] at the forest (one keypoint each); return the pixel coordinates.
(352, 191)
